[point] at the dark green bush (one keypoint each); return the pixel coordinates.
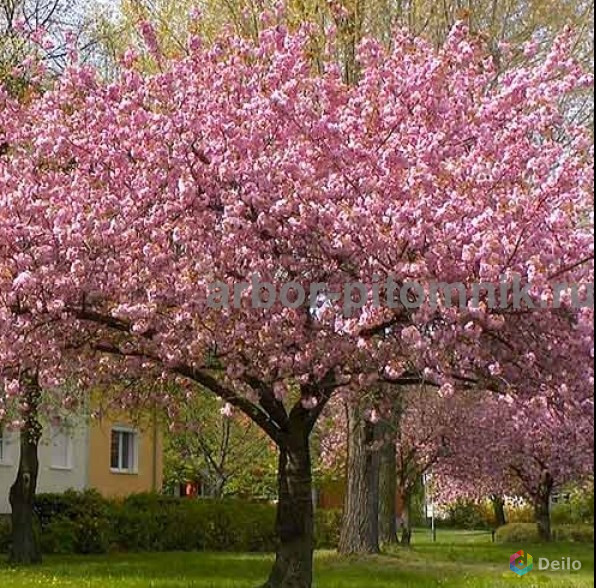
(466, 515)
(59, 537)
(579, 533)
(520, 533)
(580, 509)
(156, 523)
(328, 528)
(75, 522)
(87, 523)
(6, 532)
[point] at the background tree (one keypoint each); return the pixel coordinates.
(25, 547)
(388, 432)
(537, 449)
(209, 443)
(35, 40)
(26, 408)
(360, 526)
(46, 30)
(506, 25)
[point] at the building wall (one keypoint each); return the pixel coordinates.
(89, 463)
(332, 495)
(8, 470)
(149, 475)
(50, 479)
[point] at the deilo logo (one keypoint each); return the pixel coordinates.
(564, 565)
(522, 563)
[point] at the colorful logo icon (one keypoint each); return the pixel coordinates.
(522, 563)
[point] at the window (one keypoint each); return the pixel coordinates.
(61, 449)
(123, 457)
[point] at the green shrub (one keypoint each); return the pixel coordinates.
(328, 528)
(6, 532)
(520, 533)
(94, 534)
(522, 513)
(71, 505)
(155, 523)
(466, 515)
(580, 533)
(75, 522)
(579, 510)
(87, 523)
(59, 537)
(564, 514)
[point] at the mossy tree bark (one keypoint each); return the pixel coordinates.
(360, 527)
(405, 500)
(295, 515)
(388, 432)
(388, 494)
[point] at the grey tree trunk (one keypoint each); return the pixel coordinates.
(387, 486)
(360, 527)
(405, 500)
(295, 512)
(25, 549)
(219, 487)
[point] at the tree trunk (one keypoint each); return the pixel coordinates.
(360, 527)
(349, 26)
(405, 517)
(499, 510)
(295, 513)
(25, 548)
(219, 487)
(388, 488)
(542, 508)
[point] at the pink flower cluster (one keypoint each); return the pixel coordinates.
(120, 203)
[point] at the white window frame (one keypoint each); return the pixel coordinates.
(5, 442)
(60, 431)
(135, 450)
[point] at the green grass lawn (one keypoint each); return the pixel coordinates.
(457, 560)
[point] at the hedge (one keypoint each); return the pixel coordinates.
(87, 523)
(520, 533)
(466, 515)
(471, 515)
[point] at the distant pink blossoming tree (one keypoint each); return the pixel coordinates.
(528, 448)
